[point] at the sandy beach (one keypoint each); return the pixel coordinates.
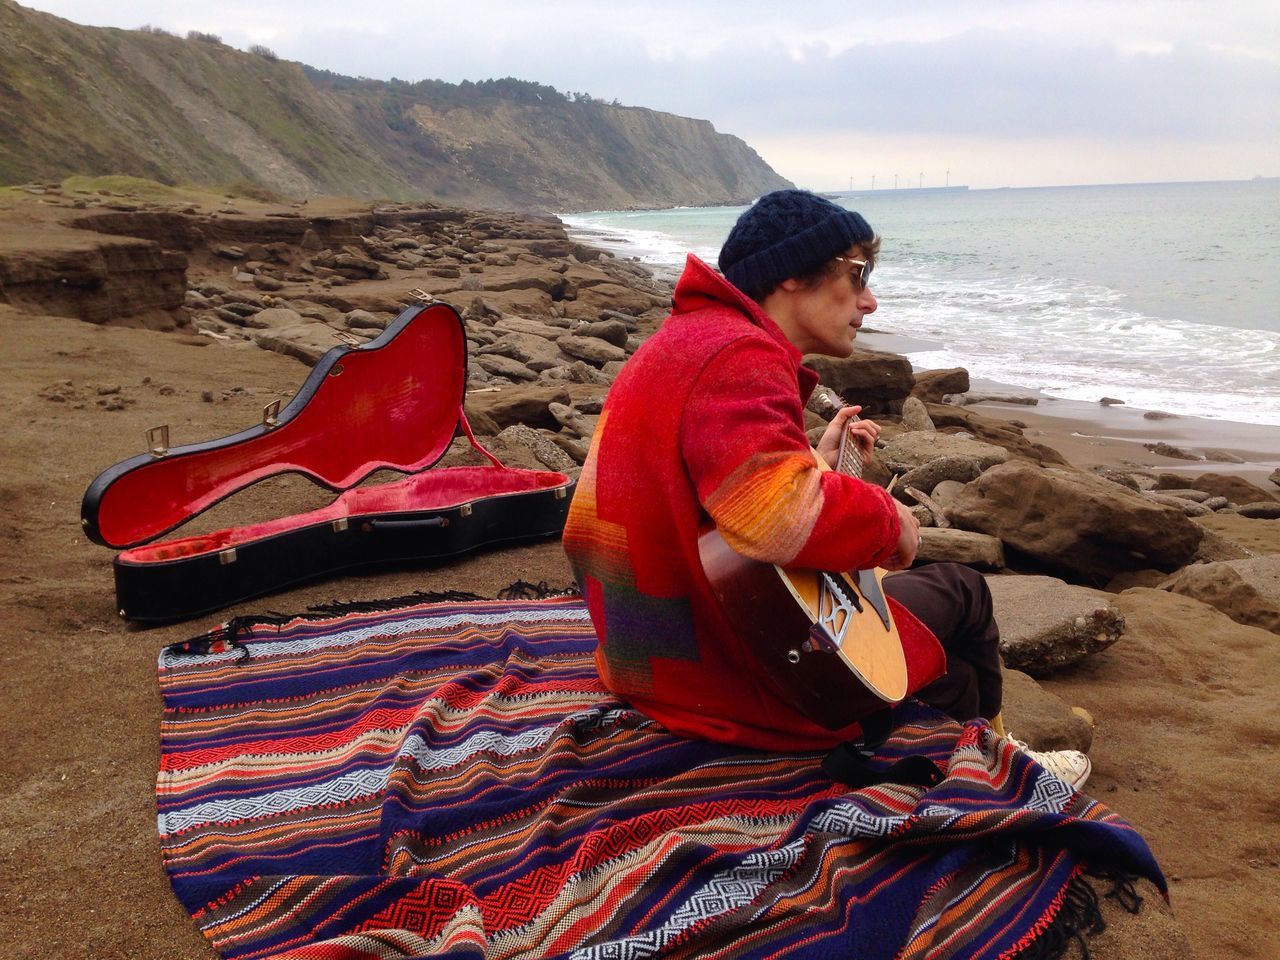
(1184, 703)
(1093, 435)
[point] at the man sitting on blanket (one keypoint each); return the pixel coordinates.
(705, 424)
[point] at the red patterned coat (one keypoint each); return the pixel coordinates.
(707, 420)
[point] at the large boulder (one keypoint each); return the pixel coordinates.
(537, 328)
(591, 349)
(915, 416)
(1187, 506)
(1075, 522)
(503, 366)
(1046, 624)
(1247, 591)
(932, 385)
(544, 449)
(1260, 510)
(879, 382)
(354, 265)
(535, 352)
(277, 318)
(307, 342)
(517, 404)
(611, 331)
(915, 448)
(1236, 489)
(928, 475)
(580, 424)
(524, 277)
(592, 299)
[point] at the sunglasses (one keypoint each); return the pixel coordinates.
(861, 273)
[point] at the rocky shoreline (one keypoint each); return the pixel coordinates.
(1113, 585)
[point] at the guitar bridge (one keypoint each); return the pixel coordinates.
(836, 608)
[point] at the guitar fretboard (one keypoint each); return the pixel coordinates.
(850, 459)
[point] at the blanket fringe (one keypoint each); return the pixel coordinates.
(1081, 915)
(343, 607)
(224, 637)
(523, 590)
(519, 590)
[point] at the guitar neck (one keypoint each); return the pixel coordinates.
(850, 459)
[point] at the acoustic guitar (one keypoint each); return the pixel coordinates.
(828, 637)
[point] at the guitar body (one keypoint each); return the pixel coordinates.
(828, 638)
(834, 663)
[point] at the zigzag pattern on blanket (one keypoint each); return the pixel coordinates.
(453, 778)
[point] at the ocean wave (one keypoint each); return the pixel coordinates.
(1065, 336)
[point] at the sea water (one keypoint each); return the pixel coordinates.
(1164, 296)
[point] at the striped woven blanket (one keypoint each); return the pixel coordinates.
(452, 779)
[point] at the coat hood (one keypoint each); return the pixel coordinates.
(700, 287)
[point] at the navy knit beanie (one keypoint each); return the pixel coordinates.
(787, 233)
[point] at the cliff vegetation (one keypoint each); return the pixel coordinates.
(145, 103)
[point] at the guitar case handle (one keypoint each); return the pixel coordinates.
(409, 524)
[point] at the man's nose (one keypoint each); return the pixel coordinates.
(867, 302)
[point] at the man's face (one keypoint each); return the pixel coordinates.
(828, 315)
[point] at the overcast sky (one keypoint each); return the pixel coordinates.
(1015, 93)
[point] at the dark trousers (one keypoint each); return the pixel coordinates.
(953, 601)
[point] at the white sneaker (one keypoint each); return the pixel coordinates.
(1070, 765)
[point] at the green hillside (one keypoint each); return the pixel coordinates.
(78, 100)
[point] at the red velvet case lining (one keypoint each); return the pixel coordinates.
(395, 404)
(433, 490)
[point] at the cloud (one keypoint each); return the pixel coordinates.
(984, 83)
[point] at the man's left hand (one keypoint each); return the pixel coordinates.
(864, 432)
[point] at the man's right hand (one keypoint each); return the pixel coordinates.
(908, 539)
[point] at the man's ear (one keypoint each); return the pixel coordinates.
(791, 285)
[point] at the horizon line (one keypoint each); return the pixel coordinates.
(1048, 186)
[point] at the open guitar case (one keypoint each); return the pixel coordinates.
(395, 402)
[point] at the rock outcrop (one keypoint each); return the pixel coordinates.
(915, 449)
(74, 273)
(1235, 489)
(1046, 624)
(879, 382)
(1248, 591)
(1074, 521)
(1044, 721)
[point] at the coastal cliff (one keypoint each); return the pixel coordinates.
(89, 100)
